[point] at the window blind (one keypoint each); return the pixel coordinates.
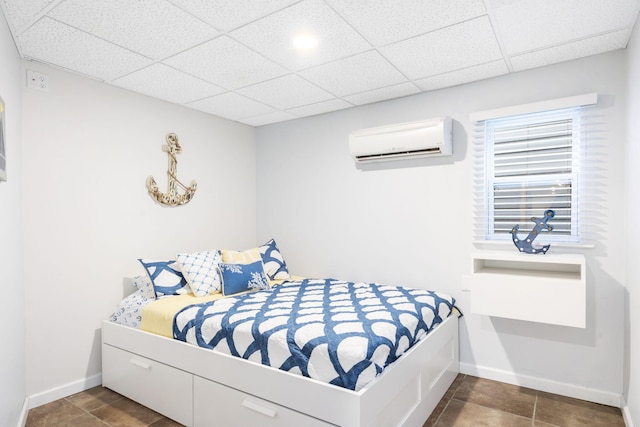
(526, 164)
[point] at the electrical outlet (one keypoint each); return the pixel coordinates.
(37, 80)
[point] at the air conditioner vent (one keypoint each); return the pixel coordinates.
(401, 141)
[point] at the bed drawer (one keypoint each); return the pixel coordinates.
(225, 406)
(160, 387)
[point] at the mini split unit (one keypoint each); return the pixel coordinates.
(412, 140)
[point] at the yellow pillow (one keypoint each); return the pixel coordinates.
(241, 257)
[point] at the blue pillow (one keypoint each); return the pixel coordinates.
(274, 264)
(238, 278)
(166, 277)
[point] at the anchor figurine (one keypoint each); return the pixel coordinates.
(526, 245)
(171, 197)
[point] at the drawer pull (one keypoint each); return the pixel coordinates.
(259, 408)
(141, 364)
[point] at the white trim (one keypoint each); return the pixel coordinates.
(65, 390)
(536, 107)
(509, 244)
(22, 421)
(626, 413)
(543, 384)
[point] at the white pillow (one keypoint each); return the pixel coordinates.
(201, 271)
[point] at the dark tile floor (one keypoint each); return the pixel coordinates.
(96, 407)
(476, 402)
(470, 401)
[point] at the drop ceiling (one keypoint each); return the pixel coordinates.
(236, 58)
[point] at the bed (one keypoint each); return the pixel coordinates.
(214, 359)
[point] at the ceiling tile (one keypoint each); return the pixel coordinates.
(164, 82)
(566, 52)
(525, 25)
(21, 12)
(228, 14)
(466, 75)
(273, 35)
(58, 44)
(232, 106)
(384, 22)
(452, 48)
(389, 92)
(368, 50)
(286, 92)
(320, 108)
(226, 63)
(154, 28)
(278, 116)
(355, 74)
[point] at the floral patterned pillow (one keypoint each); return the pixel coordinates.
(238, 278)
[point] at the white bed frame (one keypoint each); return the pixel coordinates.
(200, 387)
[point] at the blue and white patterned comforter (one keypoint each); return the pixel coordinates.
(338, 332)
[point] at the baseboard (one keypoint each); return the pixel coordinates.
(626, 414)
(543, 384)
(22, 421)
(65, 390)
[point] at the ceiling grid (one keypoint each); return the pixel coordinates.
(236, 58)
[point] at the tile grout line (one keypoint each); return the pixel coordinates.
(453, 394)
(90, 412)
(437, 420)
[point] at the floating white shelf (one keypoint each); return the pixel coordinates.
(538, 288)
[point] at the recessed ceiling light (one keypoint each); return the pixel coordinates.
(305, 41)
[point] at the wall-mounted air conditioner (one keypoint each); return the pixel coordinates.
(402, 141)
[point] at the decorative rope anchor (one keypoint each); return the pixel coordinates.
(527, 244)
(171, 197)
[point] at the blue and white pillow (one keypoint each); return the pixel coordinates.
(144, 285)
(166, 277)
(274, 264)
(238, 278)
(201, 271)
(129, 311)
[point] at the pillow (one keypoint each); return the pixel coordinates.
(144, 285)
(166, 277)
(201, 271)
(238, 278)
(244, 257)
(129, 311)
(274, 264)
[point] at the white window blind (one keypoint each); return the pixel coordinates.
(528, 163)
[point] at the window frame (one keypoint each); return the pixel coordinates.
(486, 122)
(571, 178)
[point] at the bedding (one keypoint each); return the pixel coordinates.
(129, 311)
(319, 328)
(342, 333)
(141, 310)
(165, 276)
(238, 278)
(201, 271)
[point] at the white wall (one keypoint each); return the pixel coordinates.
(87, 151)
(632, 324)
(12, 315)
(411, 223)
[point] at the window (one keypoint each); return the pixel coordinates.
(527, 163)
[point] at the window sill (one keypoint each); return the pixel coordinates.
(506, 243)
